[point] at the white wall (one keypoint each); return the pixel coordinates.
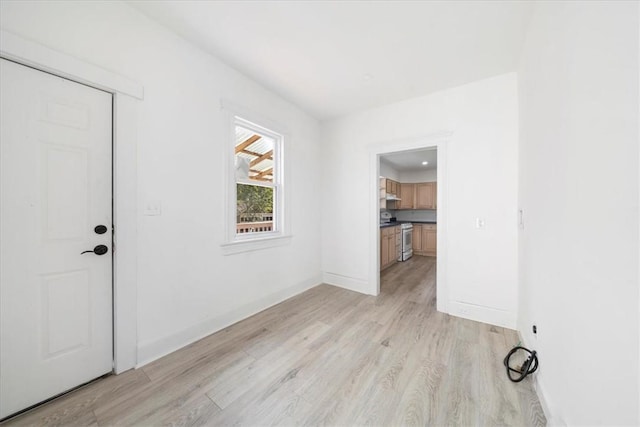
(482, 182)
(579, 247)
(186, 288)
(389, 171)
(429, 175)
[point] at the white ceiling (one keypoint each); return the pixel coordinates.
(411, 161)
(335, 57)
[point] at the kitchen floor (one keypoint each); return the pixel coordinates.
(327, 356)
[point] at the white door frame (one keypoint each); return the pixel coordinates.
(126, 94)
(440, 141)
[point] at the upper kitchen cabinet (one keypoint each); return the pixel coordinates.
(392, 187)
(389, 193)
(421, 195)
(407, 196)
(426, 195)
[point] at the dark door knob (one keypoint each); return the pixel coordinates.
(100, 229)
(98, 250)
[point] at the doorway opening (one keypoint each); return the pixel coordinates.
(408, 220)
(408, 214)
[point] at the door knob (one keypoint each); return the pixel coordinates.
(98, 250)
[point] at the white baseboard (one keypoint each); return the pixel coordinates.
(152, 350)
(543, 397)
(346, 282)
(483, 314)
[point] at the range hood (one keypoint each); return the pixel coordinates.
(392, 197)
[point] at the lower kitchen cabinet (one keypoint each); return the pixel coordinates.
(390, 240)
(416, 238)
(429, 239)
(425, 239)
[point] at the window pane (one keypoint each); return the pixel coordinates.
(254, 212)
(254, 156)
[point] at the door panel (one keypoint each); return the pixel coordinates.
(55, 183)
(65, 328)
(65, 184)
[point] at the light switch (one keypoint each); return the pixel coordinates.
(152, 208)
(479, 223)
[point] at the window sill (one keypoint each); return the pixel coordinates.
(254, 244)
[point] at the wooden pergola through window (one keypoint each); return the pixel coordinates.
(257, 150)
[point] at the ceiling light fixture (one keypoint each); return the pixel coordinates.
(425, 163)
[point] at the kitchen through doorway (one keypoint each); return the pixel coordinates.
(408, 216)
(408, 212)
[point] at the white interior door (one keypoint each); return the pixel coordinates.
(55, 188)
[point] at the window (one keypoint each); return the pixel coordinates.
(258, 181)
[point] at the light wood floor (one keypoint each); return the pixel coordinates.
(325, 357)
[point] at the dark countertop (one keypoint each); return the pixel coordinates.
(392, 224)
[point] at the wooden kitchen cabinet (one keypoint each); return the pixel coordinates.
(421, 195)
(416, 238)
(425, 196)
(425, 239)
(429, 239)
(389, 187)
(392, 187)
(395, 191)
(407, 196)
(384, 249)
(390, 240)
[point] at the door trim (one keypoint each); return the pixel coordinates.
(126, 94)
(35, 55)
(440, 141)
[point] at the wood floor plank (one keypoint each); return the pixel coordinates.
(227, 389)
(169, 395)
(417, 403)
(77, 408)
(328, 356)
(203, 352)
(333, 405)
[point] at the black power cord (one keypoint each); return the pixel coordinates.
(529, 366)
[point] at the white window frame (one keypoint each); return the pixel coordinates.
(281, 235)
(276, 184)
